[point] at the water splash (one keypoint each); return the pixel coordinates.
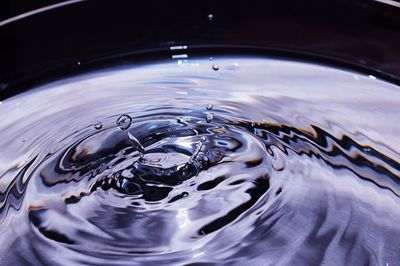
(300, 166)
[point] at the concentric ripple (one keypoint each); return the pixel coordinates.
(263, 162)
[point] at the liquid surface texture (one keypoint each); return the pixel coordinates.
(238, 161)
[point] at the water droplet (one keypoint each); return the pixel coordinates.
(136, 143)
(210, 17)
(209, 106)
(79, 63)
(185, 194)
(215, 67)
(197, 150)
(97, 125)
(124, 122)
(209, 118)
(211, 59)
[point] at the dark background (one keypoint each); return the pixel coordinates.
(364, 34)
(11, 8)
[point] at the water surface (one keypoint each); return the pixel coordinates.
(242, 160)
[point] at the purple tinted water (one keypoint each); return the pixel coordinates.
(263, 162)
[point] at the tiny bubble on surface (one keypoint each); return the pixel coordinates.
(97, 125)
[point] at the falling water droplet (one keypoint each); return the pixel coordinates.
(97, 125)
(215, 67)
(209, 106)
(124, 122)
(210, 17)
(209, 118)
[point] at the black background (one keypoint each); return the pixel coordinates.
(364, 34)
(11, 8)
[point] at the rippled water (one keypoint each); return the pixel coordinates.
(246, 161)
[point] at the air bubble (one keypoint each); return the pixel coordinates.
(124, 122)
(209, 106)
(215, 67)
(97, 125)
